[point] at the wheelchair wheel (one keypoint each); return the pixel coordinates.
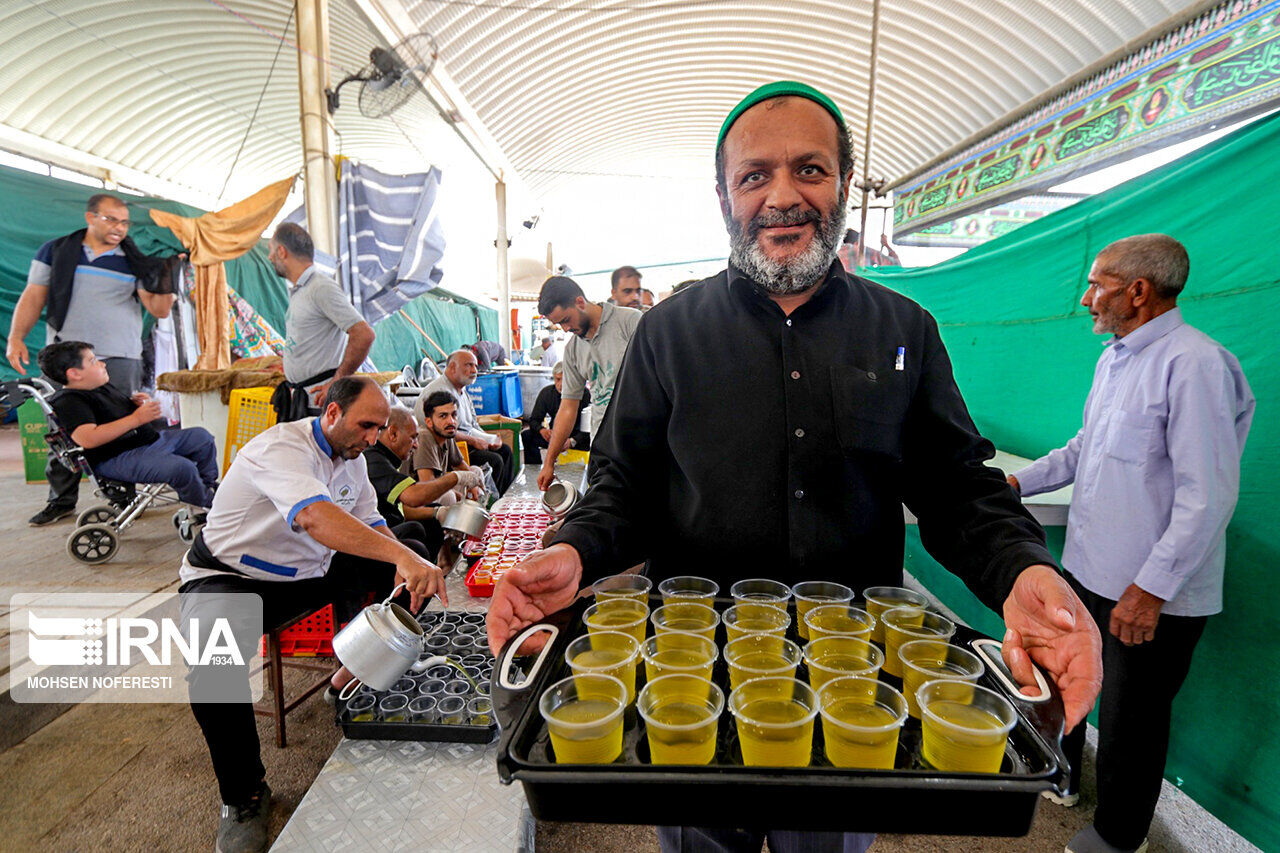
(101, 514)
(93, 543)
(186, 524)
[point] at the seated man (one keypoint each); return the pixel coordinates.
(484, 447)
(402, 500)
(116, 433)
(541, 420)
(295, 523)
(437, 461)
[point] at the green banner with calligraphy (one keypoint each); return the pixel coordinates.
(974, 229)
(1220, 67)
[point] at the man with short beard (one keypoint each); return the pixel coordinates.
(773, 420)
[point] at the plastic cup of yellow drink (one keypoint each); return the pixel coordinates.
(930, 660)
(681, 717)
(861, 718)
(827, 658)
(627, 585)
(839, 620)
(584, 718)
(687, 618)
(758, 656)
(904, 624)
(882, 598)
(677, 653)
(617, 614)
(811, 594)
(605, 653)
(774, 718)
(754, 593)
(741, 620)
(688, 588)
(965, 727)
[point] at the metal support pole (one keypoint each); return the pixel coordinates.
(871, 113)
(320, 191)
(504, 273)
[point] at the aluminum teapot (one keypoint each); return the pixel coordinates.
(466, 517)
(559, 498)
(381, 644)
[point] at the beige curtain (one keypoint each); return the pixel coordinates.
(211, 239)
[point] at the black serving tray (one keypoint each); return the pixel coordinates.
(911, 798)
(377, 730)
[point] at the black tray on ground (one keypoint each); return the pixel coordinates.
(910, 798)
(440, 732)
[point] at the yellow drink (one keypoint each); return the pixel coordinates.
(969, 739)
(811, 594)
(838, 620)
(687, 618)
(836, 665)
(882, 598)
(623, 587)
(758, 664)
(743, 619)
(672, 661)
(688, 589)
(775, 733)
(619, 614)
(921, 671)
(867, 737)
(616, 662)
(590, 744)
(902, 625)
(680, 732)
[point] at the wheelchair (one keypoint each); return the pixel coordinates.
(96, 537)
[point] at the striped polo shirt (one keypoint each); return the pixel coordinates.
(104, 309)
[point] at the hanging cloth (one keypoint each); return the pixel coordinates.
(211, 239)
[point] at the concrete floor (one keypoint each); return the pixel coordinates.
(137, 777)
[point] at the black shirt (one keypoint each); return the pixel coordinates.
(547, 404)
(384, 473)
(75, 407)
(744, 443)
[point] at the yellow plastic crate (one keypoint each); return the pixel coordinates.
(569, 456)
(250, 414)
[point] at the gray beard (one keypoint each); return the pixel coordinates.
(801, 272)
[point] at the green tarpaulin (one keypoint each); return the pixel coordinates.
(50, 208)
(1024, 355)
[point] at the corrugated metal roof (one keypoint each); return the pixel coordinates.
(640, 86)
(169, 87)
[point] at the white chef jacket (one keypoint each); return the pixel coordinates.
(274, 477)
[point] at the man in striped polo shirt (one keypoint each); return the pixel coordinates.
(91, 283)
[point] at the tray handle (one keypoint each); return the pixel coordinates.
(503, 669)
(1043, 711)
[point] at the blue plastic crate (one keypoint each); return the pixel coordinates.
(497, 394)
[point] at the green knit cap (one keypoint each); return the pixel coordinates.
(778, 90)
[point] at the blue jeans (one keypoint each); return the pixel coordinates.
(184, 458)
(700, 839)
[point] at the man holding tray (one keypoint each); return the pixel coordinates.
(852, 409)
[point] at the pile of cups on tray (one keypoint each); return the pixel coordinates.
(512, 534)
(845, 648)
(455, 693)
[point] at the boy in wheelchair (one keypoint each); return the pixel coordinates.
(116, 431)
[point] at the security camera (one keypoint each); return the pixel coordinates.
(532, 222)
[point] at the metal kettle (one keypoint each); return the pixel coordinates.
(382, 643)
(466, 517)
(559, 498)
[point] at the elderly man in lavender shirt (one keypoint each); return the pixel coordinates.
(1157, 473)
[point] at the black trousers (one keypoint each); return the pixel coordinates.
(428, 533)
(230, 728)
(1138, 686)
(499, 462)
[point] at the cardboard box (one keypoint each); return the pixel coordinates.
(508, 429)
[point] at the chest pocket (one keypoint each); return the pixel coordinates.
(869, 407)
(1135, 437)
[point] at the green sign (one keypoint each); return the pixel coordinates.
(1240, 72)
(1219, 67)
(997, 173)
(935, 198)
(1093, 133)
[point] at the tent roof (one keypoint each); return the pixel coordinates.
(641, 86)
(566, 87)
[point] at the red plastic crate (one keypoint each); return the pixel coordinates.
(309, 638)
